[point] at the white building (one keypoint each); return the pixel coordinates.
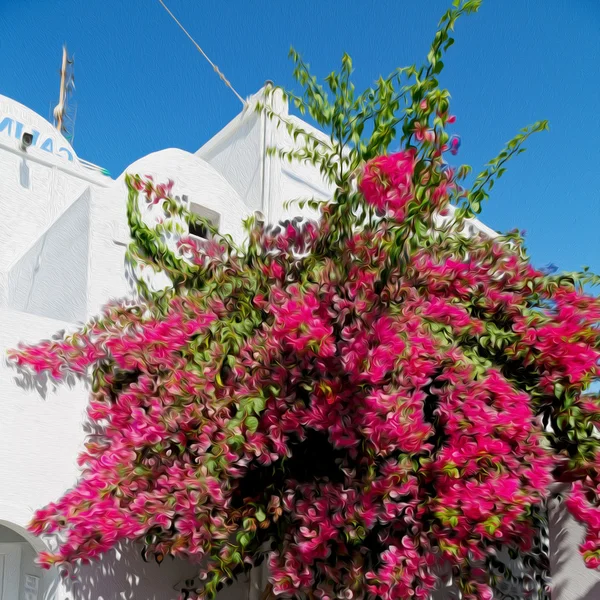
(63, 234)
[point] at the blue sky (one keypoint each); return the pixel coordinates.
(142, 86)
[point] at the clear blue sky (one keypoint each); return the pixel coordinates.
(142, 86)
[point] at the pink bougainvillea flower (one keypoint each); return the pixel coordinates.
(387, 182)
(454, 144)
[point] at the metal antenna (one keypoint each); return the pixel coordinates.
(63, 121)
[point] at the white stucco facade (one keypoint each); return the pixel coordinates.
(63, 235)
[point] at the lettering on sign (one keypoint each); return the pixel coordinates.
(12, 128)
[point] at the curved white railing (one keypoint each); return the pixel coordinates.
(92, 167)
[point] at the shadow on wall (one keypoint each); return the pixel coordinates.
(41, 382)
(51, 590)
(123, 575)
(572, 580)
(29, 381)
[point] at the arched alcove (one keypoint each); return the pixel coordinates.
(120, 574)
(20, 577)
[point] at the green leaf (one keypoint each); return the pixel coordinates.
(260, 515)
(252, 424)
(258, 405)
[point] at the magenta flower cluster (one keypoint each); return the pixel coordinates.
(371, 420)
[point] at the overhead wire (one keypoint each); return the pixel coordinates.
(216, 69)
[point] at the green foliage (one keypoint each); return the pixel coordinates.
(486, 179)
(363, 126)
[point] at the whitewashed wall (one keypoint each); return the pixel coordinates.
(264, 182)
(235, 153)
(109, 232)
(571, 579)
(51, 278)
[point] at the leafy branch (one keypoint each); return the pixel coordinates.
(486, 179)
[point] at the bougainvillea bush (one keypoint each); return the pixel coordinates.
(360, 400)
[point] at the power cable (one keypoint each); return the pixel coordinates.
(216, 69)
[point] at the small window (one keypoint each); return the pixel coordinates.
(199, 230)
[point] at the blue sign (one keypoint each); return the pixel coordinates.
(13, 128)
